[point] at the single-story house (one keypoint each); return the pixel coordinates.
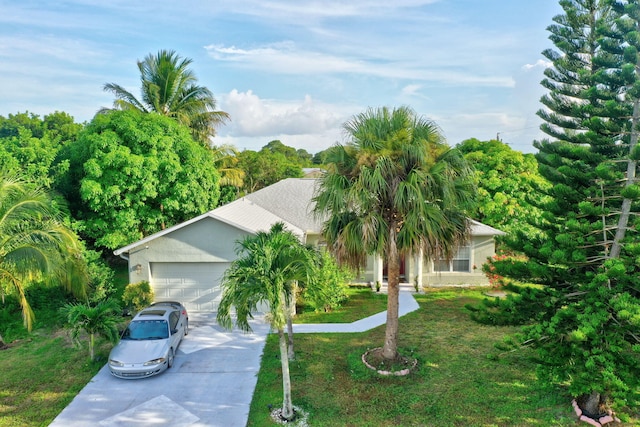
(187, 261)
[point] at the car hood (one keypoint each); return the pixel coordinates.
(132, 351)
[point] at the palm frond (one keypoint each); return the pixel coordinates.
(170, 88)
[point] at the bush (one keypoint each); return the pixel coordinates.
(100, 277)
(329, 290)
(138, 295)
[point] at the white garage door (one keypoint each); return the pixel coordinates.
(195, 284)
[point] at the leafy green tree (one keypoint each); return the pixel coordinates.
(395, 188)
(138, 174)
(169, 88)
(305, 158)
(101, 276)
(101, 318)
(300, 156)
(509, 186)
(30, 145)
(13, 124)
(266, 167)
(586, 314)
(268, 266)
(35, 245)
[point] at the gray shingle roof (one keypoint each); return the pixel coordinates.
(290, 199)
(480, 229)
(245, 214)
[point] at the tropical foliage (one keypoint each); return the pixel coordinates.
(169, 87)
(29, 145)
(268, 166)
(137, 296)
(329, 290)
(35, 245)
(96, 319)
(266, 271)
(134, 174)
(509, 187)
(394, 188)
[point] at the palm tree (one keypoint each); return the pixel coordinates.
(170, 88)
(35, 245)
(226, 160)
(266, 270)
(395, 188)
(99, 319)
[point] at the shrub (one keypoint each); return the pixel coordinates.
(329, 290)
(495, 280)
(100, 276)
(138, 295)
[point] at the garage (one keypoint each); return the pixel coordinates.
(195, 284)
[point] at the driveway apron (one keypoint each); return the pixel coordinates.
(210, 384)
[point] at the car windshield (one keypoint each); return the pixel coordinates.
(146, 330)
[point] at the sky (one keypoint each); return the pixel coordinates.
(292, 70)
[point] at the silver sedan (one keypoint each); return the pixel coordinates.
(148, 345)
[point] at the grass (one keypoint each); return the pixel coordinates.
(361, 303)
(455, 384)
(40, 376)
(43, 371)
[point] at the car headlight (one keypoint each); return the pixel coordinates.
(115, 363)
(155, 361)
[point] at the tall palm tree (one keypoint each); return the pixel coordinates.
(35, 245)
(268, 266)
(98, 319)
(170, 88)
(394, 188)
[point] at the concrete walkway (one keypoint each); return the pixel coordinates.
(407, 305)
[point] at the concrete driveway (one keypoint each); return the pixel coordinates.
(211, 384)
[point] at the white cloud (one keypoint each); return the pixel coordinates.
(252, 116)
(287, 58)
(318, 9)
(540, 63)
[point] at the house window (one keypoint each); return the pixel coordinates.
(461, 262)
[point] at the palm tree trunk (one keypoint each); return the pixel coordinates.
(287, 404)
(91, 346)
(291, 310)
(291, 353)
(390, 348)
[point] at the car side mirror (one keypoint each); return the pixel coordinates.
(174, 331)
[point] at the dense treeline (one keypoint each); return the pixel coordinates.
(126, 174)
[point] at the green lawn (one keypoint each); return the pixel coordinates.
(455, 384)
(41, 374)
(361, 303)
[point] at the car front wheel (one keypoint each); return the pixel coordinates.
(170, 358)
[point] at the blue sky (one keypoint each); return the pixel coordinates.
(291, 70)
